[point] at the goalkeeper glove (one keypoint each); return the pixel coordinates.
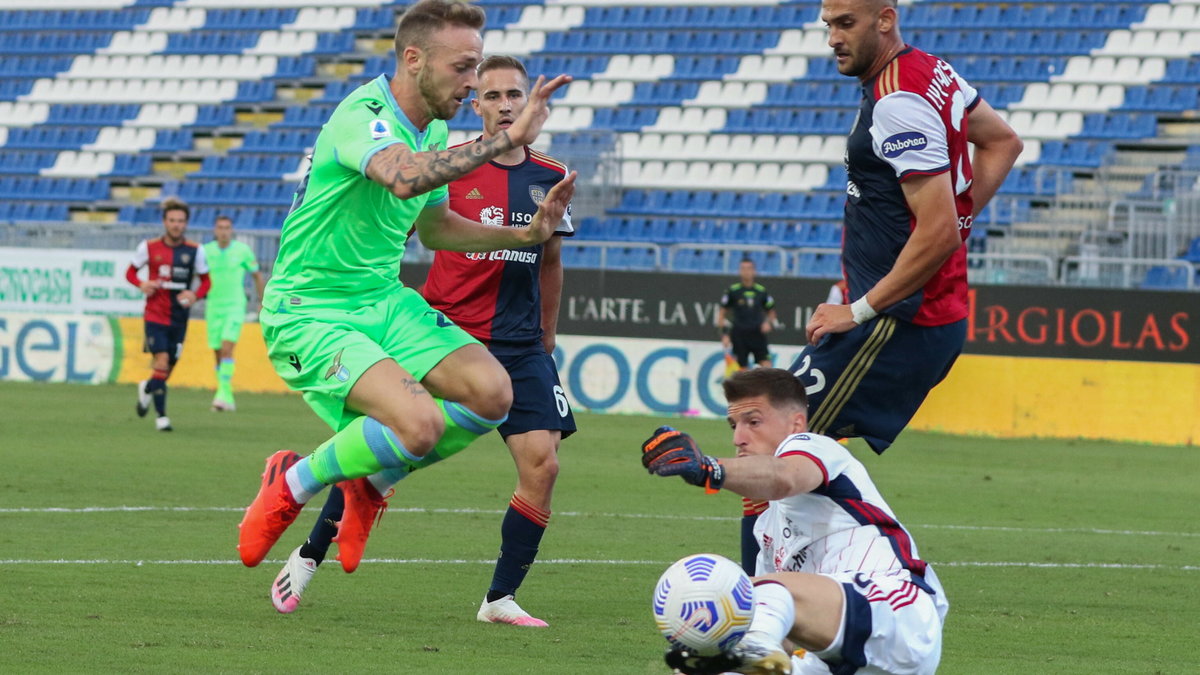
(670, 452)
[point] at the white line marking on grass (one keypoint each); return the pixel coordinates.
(585, 514)
(584, 561)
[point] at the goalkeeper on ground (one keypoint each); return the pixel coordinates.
(837, 573)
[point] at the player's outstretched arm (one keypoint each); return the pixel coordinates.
(997, 147)
(408, 174)
(440, 228)
(670, 452)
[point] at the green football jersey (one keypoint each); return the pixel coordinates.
(344, 237)
(227, 268)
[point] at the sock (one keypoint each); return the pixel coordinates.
(384, 480)
(750, 512)
(157, 388)
(520, 534)
(325, 528)
(225, 380)
(774, 610)
(462, 427)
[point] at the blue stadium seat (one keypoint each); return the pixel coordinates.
(578, 256)
(1192, 254)
(215, 116)
(1166, 278)
(131, 165)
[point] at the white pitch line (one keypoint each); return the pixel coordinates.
(635, 516)
(582, 561)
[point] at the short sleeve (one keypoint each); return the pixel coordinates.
(438, 195)
(248, 260)
(830, 456)
(725, 299)
(970, 94)
(908, 134)
(141, 255)
(768, 302)
(358, 129)
(201, 261)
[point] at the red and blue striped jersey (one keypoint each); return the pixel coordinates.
(174, 267)
(496, 296)
(912, 121)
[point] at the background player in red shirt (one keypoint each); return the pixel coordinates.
(172, 263)
(508, 300)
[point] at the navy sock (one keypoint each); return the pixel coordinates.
(749, 544)
(157, 388)
(520, 536)
(325, 528)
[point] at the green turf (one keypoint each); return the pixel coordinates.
(1100, 540)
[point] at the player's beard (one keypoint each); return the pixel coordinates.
(863, 56)
(439, 109)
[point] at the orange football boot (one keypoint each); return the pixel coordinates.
(272, 510)
(363, 508)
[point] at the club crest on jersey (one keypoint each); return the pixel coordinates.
(900, 143)
(492, 215)
(380, 129)
(537, 193)
(337, 370)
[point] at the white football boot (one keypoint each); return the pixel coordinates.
(291, 582)
(163, 423)
(506, 610)
(761, 655)
(143, 399)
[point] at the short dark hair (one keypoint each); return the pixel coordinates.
(176, 204)
(780, 386)
(429, 16)
(500, 62)
(222, 216)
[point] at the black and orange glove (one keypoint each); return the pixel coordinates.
(670, 452)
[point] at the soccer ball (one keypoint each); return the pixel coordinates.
(704, 603)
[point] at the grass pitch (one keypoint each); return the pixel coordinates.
(117, 548)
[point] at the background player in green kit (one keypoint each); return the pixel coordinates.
(225, 308)
(401, 385)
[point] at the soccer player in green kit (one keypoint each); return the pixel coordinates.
(225, 307)
(401, 385)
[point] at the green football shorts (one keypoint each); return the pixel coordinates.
(322, 351)
(223, 324)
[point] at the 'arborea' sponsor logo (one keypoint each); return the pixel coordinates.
(900, 143)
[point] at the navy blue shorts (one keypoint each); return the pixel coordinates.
(539, 401)
(161, 337)
(869, 382)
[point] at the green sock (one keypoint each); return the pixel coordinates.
(360, 449)
(225, 380)
(365, 447)
(462, 428)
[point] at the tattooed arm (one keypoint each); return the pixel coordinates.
(407, 174)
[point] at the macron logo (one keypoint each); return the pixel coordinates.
(901, 143)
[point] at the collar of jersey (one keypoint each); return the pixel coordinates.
(382, 81)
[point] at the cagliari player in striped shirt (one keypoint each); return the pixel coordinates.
(837, 574)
